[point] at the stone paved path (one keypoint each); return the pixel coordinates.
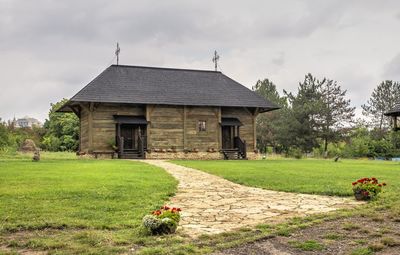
(211, 204)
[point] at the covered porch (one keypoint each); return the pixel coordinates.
(395, 115)
(233, 147)
(131, 138)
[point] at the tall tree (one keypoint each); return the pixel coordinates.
(268, 123)
(336, 111)
(4, 135)
(306, 107)
(382, 99)
(62, 130)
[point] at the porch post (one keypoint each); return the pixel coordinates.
(118, 130)
(232, 136)
(90, 124)
(119, 139)
(219, 127)
(184, 140)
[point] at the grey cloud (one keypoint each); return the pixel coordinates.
(359, 85)
(392, 69)
(279, 60)
(50, 49)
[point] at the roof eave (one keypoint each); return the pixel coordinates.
(269, 109)
(65, 107)
(261, 108)
(392, 113)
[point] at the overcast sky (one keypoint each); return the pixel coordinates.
(51, 49)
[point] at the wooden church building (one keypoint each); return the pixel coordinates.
(150, 112)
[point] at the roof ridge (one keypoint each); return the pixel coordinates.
(166, 68)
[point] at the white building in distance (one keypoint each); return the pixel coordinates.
(27, 122)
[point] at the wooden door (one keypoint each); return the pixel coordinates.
(128, 133)
(227, 137)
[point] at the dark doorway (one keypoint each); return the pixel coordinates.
(130, 134)
(227, 141)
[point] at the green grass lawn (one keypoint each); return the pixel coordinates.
(63, 205)
(378, 218)
(77, 206)
(312, 176)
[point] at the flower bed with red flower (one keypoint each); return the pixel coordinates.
(162, 221)
(367, 188)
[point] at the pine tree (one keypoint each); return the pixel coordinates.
(336, 113)
(321, 110)
(382, 99)
(306, 107)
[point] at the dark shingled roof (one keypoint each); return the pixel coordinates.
(395, 111)
(168, 86)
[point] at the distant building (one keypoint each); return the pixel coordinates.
(27, 122)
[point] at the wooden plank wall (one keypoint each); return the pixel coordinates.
(169, 126)
(84, 135)
(176, 127)
(202, 140)
(166, 127)
(102, 124)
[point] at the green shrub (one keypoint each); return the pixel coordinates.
(162, 221)
(151, 223)
(168, 226)
(168, 214)
(295, 153)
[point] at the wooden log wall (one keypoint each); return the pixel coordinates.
(169, 126)
(84, 134)
(98, 128)
(202, 140)
(166, 127)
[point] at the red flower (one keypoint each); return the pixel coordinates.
(175, 209)
(164, 207)
(384, 184)
(354, 183)
(156, 212)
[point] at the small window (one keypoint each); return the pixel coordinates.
(202, 126)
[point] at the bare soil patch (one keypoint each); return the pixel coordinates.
(353, 235)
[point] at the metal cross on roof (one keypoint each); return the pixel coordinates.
(117, 51)
(215, 60)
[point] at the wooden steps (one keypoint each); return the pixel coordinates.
(131, 154)
(232, 154)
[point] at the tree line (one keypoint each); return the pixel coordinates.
(318, 119)
(60, 132)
